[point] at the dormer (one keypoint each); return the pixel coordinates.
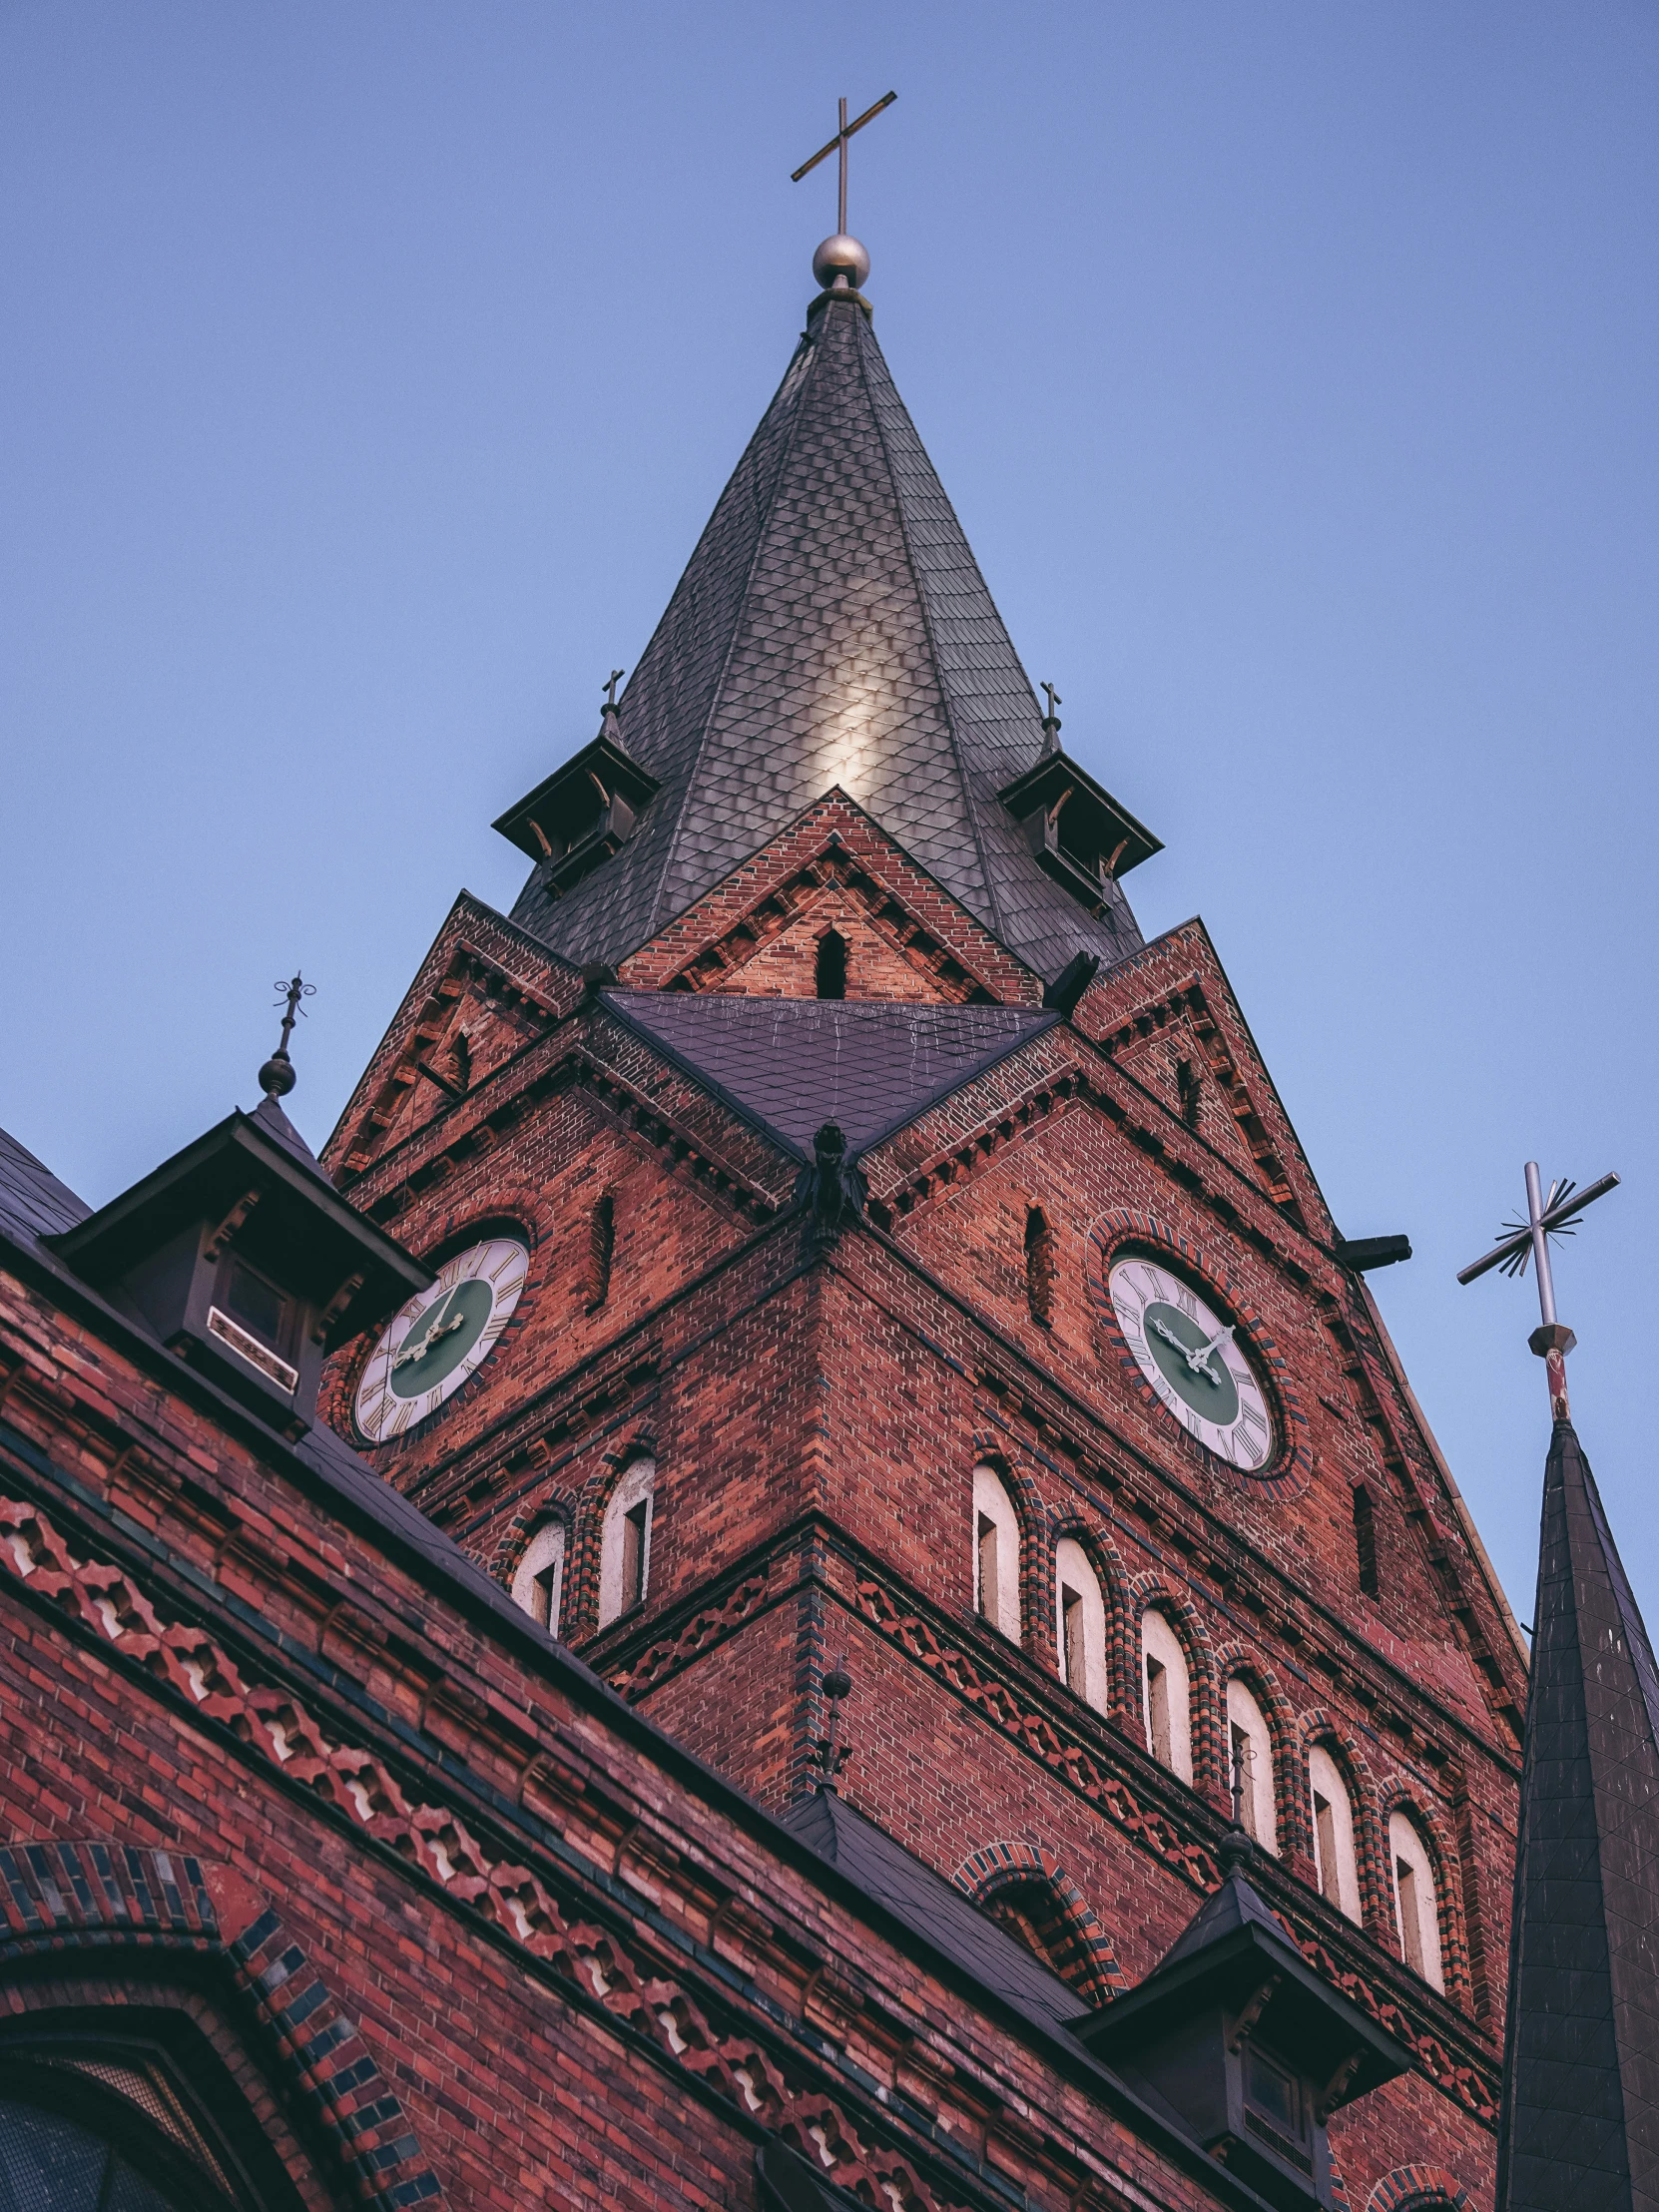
(582, 812)
(243, 1257)
(1077, 833)
(1253, 2050)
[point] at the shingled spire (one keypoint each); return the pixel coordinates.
(831, 627)
(1580, 2123)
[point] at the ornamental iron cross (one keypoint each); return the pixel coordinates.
(839, 141)
(1556, 1216)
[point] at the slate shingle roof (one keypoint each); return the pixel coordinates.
(1580, 2121)
(792, 1064)
(937, 1911)
(831, 627)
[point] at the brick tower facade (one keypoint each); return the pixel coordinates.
(881, 1623)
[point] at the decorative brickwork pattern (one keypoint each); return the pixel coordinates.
(1084, 1956)
(1419, 2189)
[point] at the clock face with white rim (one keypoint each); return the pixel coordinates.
(442, 1335)
(1193, 1361)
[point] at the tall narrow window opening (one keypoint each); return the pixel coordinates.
(832, 966)
(1165, 1695)
(1189, 1089)
(988, 1593)
(1250, 1765)
(538, 1581)
(1416, 1905)
(601, 1250)
(624, 1548)
(1157, 1711)
(1365, 1541)
(1334, 1855)
(633, 1555)
(1039, 1266)
(1071, 1639)
(997, 1570)
(1243, 1777)
(1080, 1623)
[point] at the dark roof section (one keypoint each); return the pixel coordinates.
(269, 1117)
(831, 627)
(1237, 1904)
(33, 1203)
(1581, 2118)
(936, 1908)
(792, 1064)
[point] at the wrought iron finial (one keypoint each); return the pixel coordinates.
(1051, 721)
(611, 683)
(1558, 1215)
(830, 1755)
(840, 262)
(277, 1077)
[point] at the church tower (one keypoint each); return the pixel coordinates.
(885, 1322)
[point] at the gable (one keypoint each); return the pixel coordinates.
(757, 932)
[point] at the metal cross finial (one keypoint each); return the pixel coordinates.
(1054, 699)
(1556, 1216)
(829, 1754)
(611, 683)
(839, 142)
(277, 1077)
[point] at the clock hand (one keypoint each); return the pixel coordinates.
(435, 1330)
(1199, 1358)
(1170, 1338)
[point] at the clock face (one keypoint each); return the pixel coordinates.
(1191, 1359)
(430, 1348)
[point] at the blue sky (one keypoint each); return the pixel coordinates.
(369, 367)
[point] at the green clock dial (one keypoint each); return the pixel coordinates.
(1194, 1361)
(439, 1338)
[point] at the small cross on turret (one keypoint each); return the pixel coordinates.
(1556, 1216)
(277, 1077)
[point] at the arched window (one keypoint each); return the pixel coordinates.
(1416, 1909)
(1165, 1696)
(625, 1548)
(995, 1553)
(538, 1582)
(1333, 1857)
(1365, 1541)
(1080, 1623)
(1250, 1765)
(831, 975)
(1039, 1266)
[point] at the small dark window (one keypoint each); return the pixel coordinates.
(601, 1249)
(1365, 1541)
(832, 966)
(1071, 1622)
(987, 1571)
(544, 1593)
(257, 1305)
(634, 1554)
(1243, 1777)
(1039, 1266)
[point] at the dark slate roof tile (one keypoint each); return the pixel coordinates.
(831, 626)
(792, 1064)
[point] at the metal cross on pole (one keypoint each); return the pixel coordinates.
(839, 141)
(611, 683)
(276, 1076)
(1556, 1216)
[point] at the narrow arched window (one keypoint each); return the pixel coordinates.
(1165, 1696)
(1039, 1266)
(1364, 1541)
(1250, 1765)
(624, 1548)
(539, 1579)
(1333, 1808)
(995, 1553)
(1080, 1623)
(1416, 1909)
(832, 966)
(601, 1251)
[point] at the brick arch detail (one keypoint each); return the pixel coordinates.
(1152, 1591)
(1397, 1796)
(1238, 1662)
(1095, 1973)
(527, 1522)
(112, 1901)
(1419, 2189)
(1036, 1578)
(1324, 1727)
(1107, 1235)
(585, 1519)
(1111, 1575)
